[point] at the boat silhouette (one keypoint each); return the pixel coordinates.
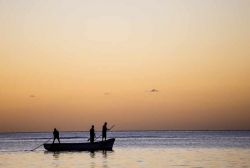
(98, 145)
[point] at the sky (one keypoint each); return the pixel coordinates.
(141, 65)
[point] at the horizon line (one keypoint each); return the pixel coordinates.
(130, 130)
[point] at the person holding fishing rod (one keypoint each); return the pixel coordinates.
(55, 136)
(104, 131)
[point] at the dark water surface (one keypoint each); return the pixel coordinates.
(132, 149)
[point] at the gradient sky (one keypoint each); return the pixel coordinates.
(144, 64)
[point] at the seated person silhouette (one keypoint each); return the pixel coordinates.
(56, 135)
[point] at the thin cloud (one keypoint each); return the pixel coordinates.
(107, 93)
(32, 96)
(153, 90)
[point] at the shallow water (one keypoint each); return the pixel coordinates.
(144, 149)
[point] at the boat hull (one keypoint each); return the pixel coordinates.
(100, 145)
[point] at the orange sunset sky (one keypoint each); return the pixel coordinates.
(138, 64)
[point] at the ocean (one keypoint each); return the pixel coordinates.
(132, 149)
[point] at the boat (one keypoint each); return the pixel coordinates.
(99, 145)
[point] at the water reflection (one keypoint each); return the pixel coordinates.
(105, 161)
(104, 154)
(130, 157)
(56, 155)
(92, 154)
(99, 158)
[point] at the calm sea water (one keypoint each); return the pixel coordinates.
(142, 149)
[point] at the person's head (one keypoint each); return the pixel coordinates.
(105, 123)
(93, 126)
(54, 129)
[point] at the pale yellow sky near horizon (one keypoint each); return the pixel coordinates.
(70, 64)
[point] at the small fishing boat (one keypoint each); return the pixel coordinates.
(99, 145)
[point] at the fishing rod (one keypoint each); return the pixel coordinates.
(111, 127)
(41, 144)
(108, 129)
(101, 134)
(98, 137)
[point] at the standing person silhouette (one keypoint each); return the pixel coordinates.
(56, 135)
(92, 134)
(104, 131)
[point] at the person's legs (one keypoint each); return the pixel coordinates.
(54, 140)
